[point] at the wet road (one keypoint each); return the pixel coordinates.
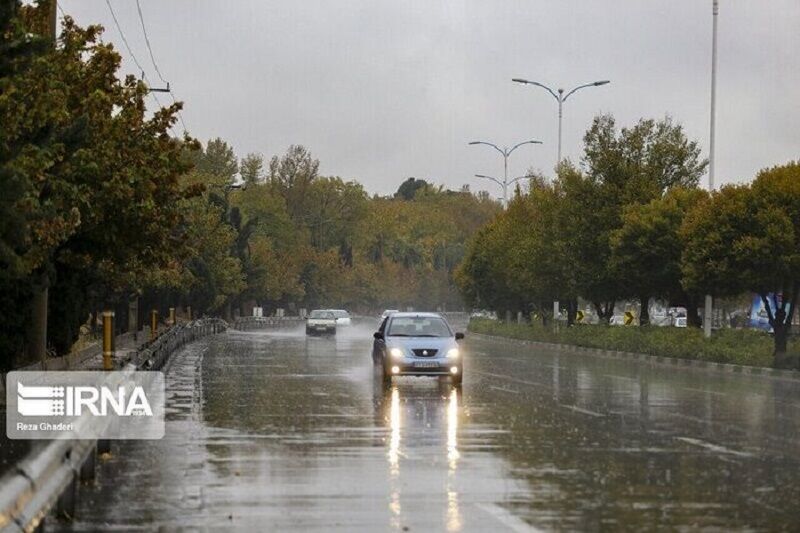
(273, 431)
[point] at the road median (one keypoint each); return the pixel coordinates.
(734, 351)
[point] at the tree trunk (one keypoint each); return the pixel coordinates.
(37, 333)
(644, 312)
(572, 311)
(604, 312)
(692, 316)
(781, 337)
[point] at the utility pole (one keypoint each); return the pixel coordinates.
(709, 301)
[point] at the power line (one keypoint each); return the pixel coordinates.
(136, 61)
(124, 40)
(153, 59)
(147, 42)
(130, 50)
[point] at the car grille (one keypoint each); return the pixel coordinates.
(425, 352)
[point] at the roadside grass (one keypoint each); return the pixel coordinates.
(736, 346)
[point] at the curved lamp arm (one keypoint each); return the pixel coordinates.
(523, 142)
(529, 82)
(504, 154)
(579, 87)
(500, 183)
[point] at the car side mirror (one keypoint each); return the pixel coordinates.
(378, 335)
(459, 336)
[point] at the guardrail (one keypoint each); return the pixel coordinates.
(248, 323)
(48, 477)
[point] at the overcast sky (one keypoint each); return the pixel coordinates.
(381, 90)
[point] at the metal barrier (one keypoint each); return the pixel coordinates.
(249, 323)
(48, 477)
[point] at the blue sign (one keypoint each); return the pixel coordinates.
(758, 313)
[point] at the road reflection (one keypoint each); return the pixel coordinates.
(414, 411)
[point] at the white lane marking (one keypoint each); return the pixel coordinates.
(581, 410)
(509, 378)
(507, 519)
(715, 393)
(501, 389)
(713, 447)
(626, 378)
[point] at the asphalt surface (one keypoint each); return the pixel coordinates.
(276, 431)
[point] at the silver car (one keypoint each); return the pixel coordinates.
(417, 344)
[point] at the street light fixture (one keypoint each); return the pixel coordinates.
(504, 184)
(560, 98)
(505, 152)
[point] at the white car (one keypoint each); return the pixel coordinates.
(387, 313)
(321, 322)
(342, 317)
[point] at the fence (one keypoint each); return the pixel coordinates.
(248, 323)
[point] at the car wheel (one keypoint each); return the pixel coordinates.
(387, 375)
(458, 378)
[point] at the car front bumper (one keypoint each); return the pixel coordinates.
(437, 367)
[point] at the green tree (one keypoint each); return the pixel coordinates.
(646, 251)
(408, 189)
(630, 166)
(217, 159)
(95, 180)
(252, 169)
(748, 238)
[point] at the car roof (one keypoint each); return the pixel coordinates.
(416, 314)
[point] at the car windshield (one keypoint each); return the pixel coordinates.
(321, 314)
(339, 313)
(418, 327)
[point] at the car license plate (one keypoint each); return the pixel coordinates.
(426, 364)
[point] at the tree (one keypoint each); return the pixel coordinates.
(632, 166)
(217, 159)
(646, 250)
(291, 176)
(748, 238)
(94, 183)
(408, 189)
(252, 169)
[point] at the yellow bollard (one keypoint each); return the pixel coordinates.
(171, 316)
(108, 340)
(153, 324)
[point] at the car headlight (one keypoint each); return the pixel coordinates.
(396, 352)
(452, 353)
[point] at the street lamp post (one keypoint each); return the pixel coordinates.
(560, 98)
(504, 184)
(709, 301)
(505, 152)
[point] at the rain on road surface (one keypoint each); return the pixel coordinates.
(276, 431)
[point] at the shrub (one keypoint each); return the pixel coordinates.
(737, 346)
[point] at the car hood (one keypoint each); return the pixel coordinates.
(412, 343)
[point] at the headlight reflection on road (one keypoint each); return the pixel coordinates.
(394, 458)
(453, 512)
(394, 439)
(452, 429)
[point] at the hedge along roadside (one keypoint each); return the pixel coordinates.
(739, 347)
